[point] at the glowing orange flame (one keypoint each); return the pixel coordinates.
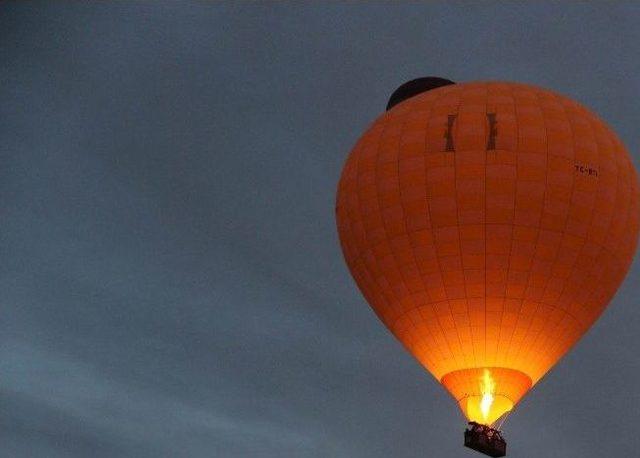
(487, 388)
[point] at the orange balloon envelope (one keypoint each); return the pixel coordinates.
(488, 224)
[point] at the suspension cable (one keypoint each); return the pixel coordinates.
(504, 418)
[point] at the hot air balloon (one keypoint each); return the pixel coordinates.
(488, 225)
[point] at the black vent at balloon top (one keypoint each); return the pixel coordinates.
(415, 87)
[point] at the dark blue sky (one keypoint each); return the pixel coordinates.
(171, 283)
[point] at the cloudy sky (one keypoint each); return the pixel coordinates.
(171, 283)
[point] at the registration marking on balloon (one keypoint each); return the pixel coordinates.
(586, 170)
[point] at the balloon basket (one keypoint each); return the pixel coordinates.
(485, 439)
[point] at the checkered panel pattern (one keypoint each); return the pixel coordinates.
(488, 252)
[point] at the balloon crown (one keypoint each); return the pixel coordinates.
(415, 87)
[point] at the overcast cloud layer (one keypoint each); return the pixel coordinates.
(171, 283)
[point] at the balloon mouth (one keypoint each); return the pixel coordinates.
(476, 409)
(485, 394)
